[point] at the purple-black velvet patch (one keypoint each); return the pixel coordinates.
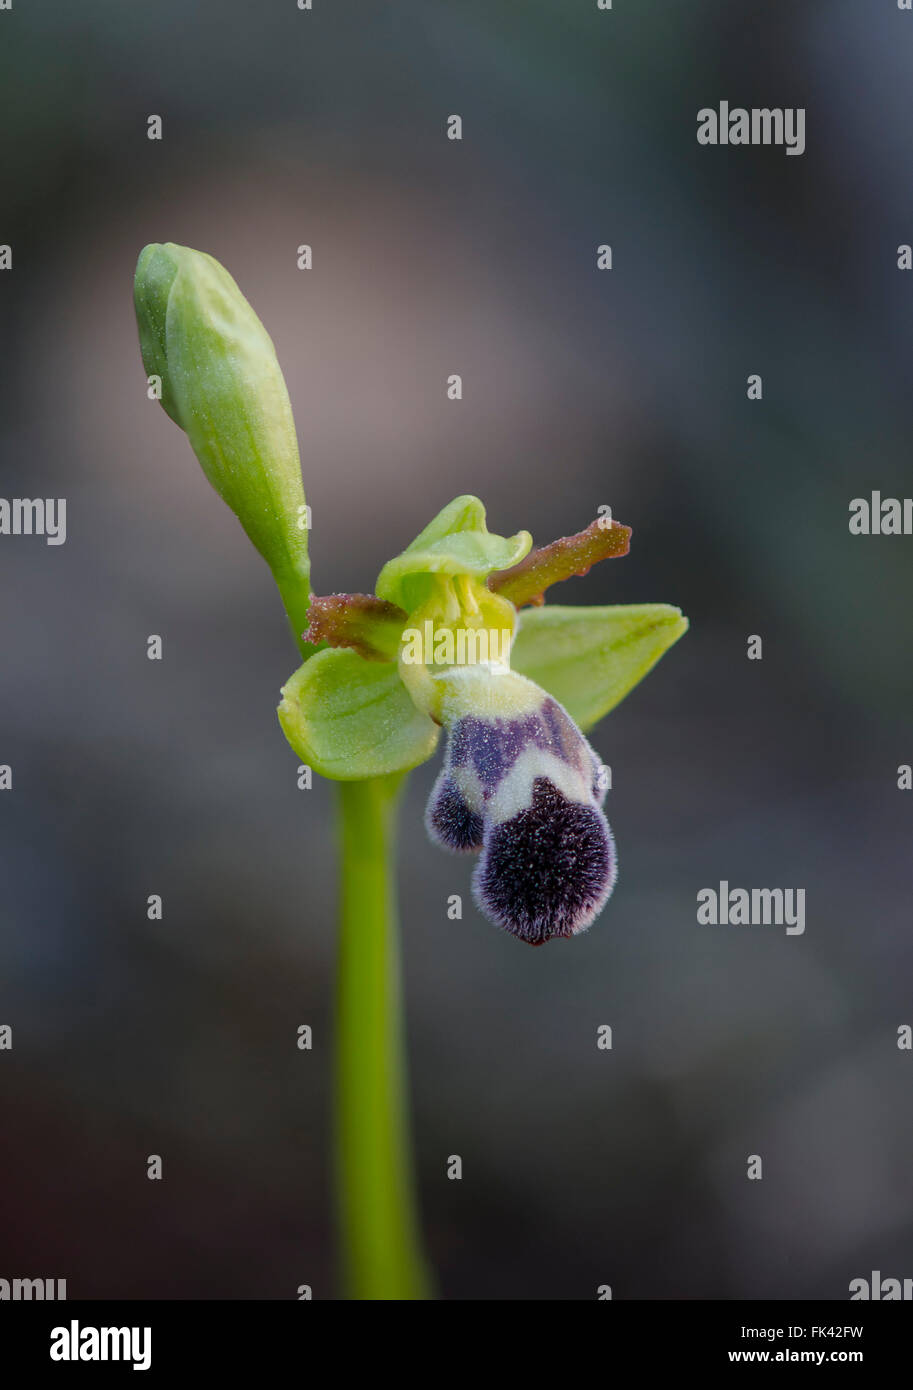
(548, 870)
(450, 821)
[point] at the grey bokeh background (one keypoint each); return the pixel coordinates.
(130, 777)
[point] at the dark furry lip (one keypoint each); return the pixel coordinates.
(547, 871)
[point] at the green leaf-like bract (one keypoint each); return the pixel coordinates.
(590, 658)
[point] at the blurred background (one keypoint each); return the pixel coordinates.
(131, 777)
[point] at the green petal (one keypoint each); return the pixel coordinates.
(348, 718)
(457, 541)
(589, 658)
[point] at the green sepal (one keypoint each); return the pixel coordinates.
(456, 542)
(349, 719)
(590, 658)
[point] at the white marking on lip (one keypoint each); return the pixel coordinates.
(514, 792)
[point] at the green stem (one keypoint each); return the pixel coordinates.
(296, 596)
(381, 1246)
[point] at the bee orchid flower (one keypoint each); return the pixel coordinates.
(456, 637)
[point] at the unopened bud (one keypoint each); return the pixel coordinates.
(222, 383)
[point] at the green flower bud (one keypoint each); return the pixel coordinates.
(221, 382)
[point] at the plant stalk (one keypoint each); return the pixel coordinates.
(294, 587)
(381, 1248)
(375, 1188)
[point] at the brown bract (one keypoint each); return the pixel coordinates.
(369, 625)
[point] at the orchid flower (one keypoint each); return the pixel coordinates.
(448, 642)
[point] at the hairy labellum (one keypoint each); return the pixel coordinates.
(520, 782)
